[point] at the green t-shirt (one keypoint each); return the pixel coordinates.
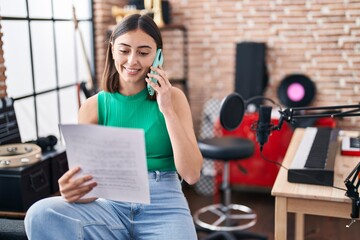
(136, 111)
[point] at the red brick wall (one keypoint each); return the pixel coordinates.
(320, 39)
(2, 69)
(102, 20)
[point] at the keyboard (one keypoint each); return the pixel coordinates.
(315, 157)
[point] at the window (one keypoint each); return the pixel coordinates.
(46, 60)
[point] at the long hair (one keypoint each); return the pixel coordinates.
(110, 78)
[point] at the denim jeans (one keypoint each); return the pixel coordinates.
(167, 217)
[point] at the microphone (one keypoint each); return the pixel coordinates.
(263, 126)
(232, 112)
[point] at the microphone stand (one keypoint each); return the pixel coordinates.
(288, 114)
(352, 187)
(353, 193)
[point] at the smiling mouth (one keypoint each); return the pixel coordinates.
(132, 71)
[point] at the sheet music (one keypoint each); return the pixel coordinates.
(115, 157)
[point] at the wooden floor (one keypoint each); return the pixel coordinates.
(316, 227)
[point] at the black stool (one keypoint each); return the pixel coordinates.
(226, 217)
(227, 220)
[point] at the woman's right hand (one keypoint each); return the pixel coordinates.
(73, 189)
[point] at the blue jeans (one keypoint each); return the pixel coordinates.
(167, 217)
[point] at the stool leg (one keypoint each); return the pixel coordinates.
(227, 191)
(225, 216)
(226, 185)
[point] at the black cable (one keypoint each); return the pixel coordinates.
(263, 98)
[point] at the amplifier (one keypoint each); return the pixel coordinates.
(58, 166)
(20, 187)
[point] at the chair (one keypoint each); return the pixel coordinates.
(226, 220)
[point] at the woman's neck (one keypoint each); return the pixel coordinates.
(129, 89)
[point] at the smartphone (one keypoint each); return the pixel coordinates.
(159, 59)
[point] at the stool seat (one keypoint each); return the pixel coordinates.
(226, 148)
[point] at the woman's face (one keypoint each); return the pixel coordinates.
(133, 54)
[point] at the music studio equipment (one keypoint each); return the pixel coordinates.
(27, 173)
(9, 129)
(254, 172)
(251, 76)
(152, 8)
(87, 87)
(315, 166)
(45, 143)
(233, 101)
(16, 155)
(314, 160)
(264, 126)
(296, 90)
(291, 115)
(230, 218)
(166, 11)
(325, 137)
(138, 4)
(21, 186)
(350, 146)
(155, 7)
(352, 183)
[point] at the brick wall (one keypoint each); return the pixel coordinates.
(320, 39)
(102, 20)
(2, 69)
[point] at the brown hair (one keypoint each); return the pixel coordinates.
(110, 78)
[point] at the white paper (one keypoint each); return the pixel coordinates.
(115, 157)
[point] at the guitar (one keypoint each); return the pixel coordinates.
(87, 87)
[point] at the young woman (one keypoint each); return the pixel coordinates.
(171, 150)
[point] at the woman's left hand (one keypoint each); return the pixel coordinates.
(162, 89)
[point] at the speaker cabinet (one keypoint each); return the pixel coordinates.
(58, 166)
(251, 76)
(20, 187)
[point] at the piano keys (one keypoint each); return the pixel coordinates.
(315, 158)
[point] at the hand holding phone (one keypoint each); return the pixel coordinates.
(159, 59)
